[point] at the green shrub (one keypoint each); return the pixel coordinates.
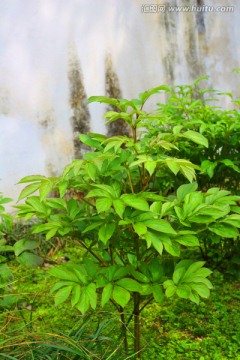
(131, 229)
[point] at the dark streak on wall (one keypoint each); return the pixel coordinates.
(112, 89)
(80, 120)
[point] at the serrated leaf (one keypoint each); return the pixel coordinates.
(121, 296)
(62, 295)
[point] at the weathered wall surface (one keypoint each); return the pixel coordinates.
(56, 53)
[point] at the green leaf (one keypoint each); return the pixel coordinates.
(158, 293)
(171, 247)
(170, 291)
(193, 268)
(194, 297)
(135, 202)
(45, 189)
(156, 207)
(208, 167)
(160, 225)
(150, 166)
(103, 99)
(63, 185)
(154, 240)
(106, 231)
(103, 204)
(106, 294)
(178, 274)
(183, 291)
(76, 292)
(28, 190)
(185, 189)
(230, 164)
(35, 202)
(233, 219)
(91, 170)
(62, 295)
(201, 289)
(187, 240)
(23, 245)
(119, 207)
(129, 284)
(92, 226)
(57, 203)
(6, 248)
(30, 260)
(173, 165)
(31, 178)
(121, 296)
(140, 228)
(87, 140)
(63, 273)
(92, 295)
(84, 302)
(196, 137)
(224, 230)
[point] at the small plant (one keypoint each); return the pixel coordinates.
(131, 229)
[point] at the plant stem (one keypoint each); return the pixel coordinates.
(137, 325)
(92, 252)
